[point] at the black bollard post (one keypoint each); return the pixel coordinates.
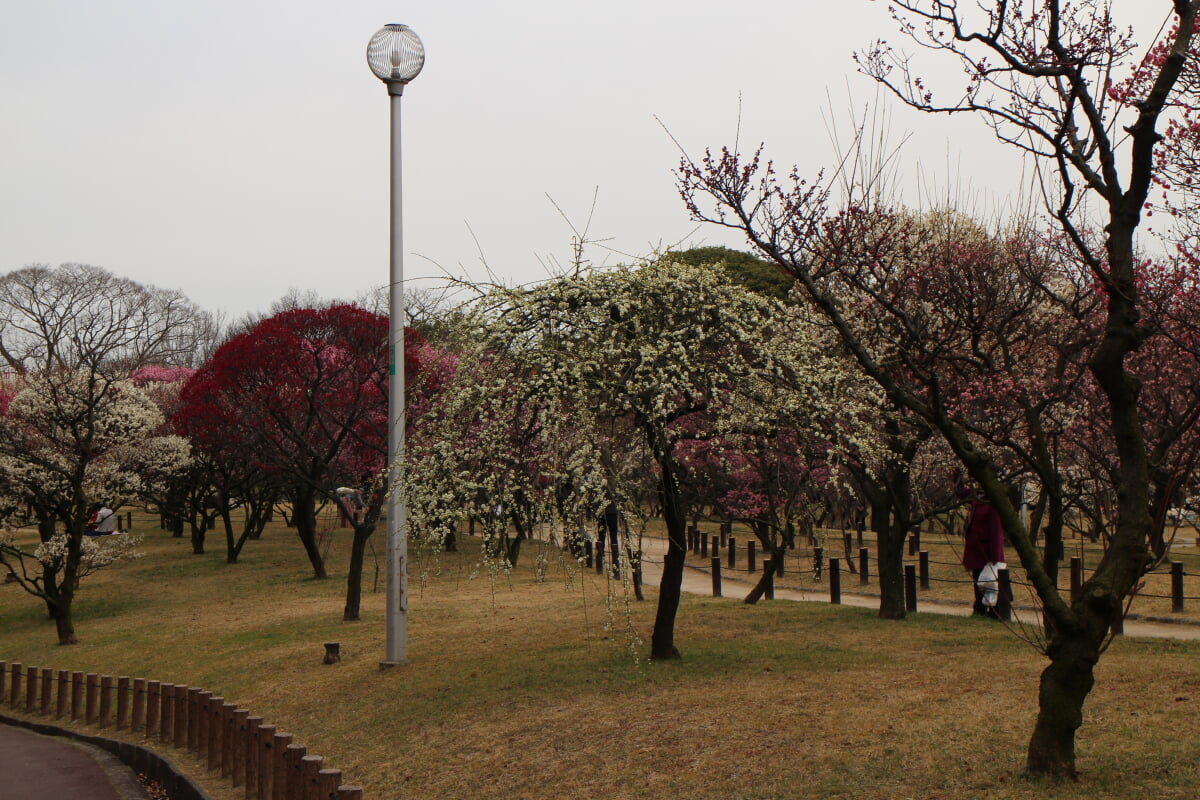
(716, 576)
(1076, 578)
(835, 581)
(1177, 586)
(1004, 596)
(732, 552)
(910, 587)
(923, 568)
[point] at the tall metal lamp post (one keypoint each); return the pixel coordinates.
(396, 55)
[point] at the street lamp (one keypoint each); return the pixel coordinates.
(396, 55)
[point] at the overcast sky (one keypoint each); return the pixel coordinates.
(234, 149)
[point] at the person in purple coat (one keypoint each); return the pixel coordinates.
(984, 544)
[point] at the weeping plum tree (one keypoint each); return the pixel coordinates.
(1046, 77)
(667, 349)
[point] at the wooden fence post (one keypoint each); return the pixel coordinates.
(923, 568)
(237, 742)
(216, 732)
(31, 686)
(166, 714)
(732, 552)
(76, 696)
(182, 718)
(266, 762)
(122, 702)
(153, 701)
(193, 718)
(750, 565)
(250, 756)
(228, 735)
(47, 690)
(64, 687)
(93, 689)
(279, 767)
(294, 780)
(202, 725)
(864, 566)
(716, 576)
(14, 686)
(137, 717)
(349, 793)
(106, 688)
(328, 781)
(309, 767)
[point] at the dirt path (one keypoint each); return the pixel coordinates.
(699, 581)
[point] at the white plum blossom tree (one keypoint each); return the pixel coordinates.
(73, 428)
(664, 352)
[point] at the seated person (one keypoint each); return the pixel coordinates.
(103, 521)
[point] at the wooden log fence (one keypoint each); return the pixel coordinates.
(234, 745)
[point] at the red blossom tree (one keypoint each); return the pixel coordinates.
(302, 397)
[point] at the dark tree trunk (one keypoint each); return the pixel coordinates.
(231, 551)
(304, 517)
(766, 578)
(889, 551)
(1064, 687)
(64, 591)
(662, 641)
(358, 551)
(64, 625)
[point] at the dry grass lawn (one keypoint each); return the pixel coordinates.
(517, 688)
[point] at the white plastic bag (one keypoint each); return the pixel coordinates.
(988, 583)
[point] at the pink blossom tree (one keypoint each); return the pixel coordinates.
(1042, 78)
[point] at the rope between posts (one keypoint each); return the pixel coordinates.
(950, 580)
(1167, 596)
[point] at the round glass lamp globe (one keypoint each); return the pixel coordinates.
(395, 53)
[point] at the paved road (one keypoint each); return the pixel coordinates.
(37, 767)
